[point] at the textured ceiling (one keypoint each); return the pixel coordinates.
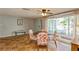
(29, 12)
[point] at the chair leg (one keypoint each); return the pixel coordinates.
(46, 48)
(56, 44)
(37, 48)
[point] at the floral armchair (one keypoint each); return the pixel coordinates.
(42, 38)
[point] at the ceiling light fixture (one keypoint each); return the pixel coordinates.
(44, 12)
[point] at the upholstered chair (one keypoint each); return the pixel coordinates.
(42, 40)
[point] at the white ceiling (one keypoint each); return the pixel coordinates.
(31, 13)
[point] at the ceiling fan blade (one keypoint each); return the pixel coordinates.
(39, 11)
(25, 8)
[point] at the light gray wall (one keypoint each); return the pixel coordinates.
(8, 24)
(0, 26)
(37, 25)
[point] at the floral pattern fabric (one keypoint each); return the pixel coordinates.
(42, 38)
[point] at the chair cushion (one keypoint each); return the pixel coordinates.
(42, 38)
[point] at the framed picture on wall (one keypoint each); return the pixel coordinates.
(20, 21)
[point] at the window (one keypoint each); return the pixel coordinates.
(62, 25)
(51, 25)
(77, 27)
(71, 25)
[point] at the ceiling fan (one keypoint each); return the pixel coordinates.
(43, 12)
(46, 12)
